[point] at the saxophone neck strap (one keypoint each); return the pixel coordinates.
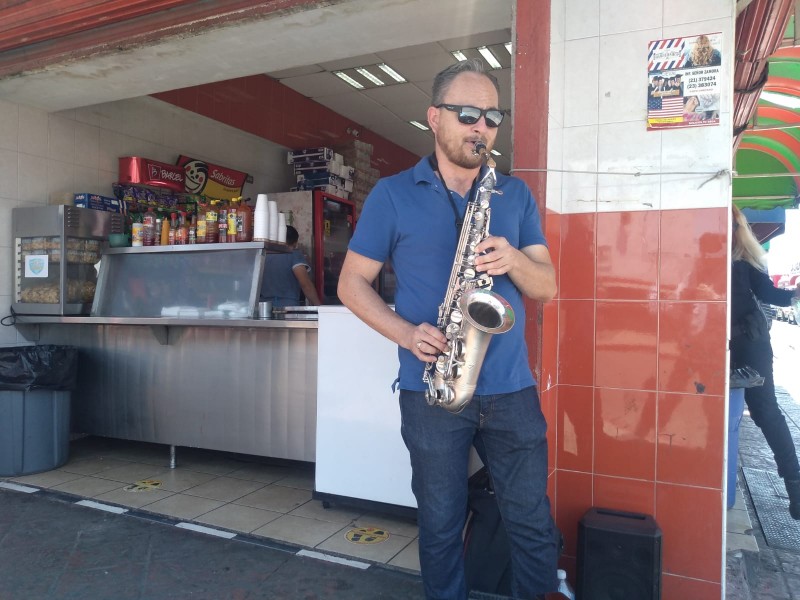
(459, 219)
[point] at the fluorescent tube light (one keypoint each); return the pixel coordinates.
(495, 152)
(348, 79)
(490, 58)
(367, 75)
(419, 125)
(508, 47)
(459, 55)
(391, 73)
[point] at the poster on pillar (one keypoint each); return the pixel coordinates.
(684, 81)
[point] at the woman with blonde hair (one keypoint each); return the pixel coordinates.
(750, 346)
(703, 54)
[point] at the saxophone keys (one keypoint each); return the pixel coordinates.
(469, 273)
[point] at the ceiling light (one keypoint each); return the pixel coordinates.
(508, 47)
(495, 152)
(367, 75)
(490, 58)
(459, 55)
(391, 73)
(348, 79)
(419, 125)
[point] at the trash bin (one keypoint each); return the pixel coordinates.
(735, 411)
(36, 384)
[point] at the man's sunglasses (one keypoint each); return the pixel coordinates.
(469, 115)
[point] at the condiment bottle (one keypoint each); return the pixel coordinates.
(223, 222)
(165, 238)
(148, 227)
(137, 234)
(157, 233)
(244, 231)
(193, 230)
(233, 221)
(212, 226)
(173, 229)
(202, 208)
(183, 228)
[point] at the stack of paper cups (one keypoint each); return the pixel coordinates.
(261, 219)
(282, 228)
(273, 220)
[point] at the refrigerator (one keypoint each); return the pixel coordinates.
(334, 222)
(325, 224)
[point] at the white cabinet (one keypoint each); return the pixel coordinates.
(360, 453)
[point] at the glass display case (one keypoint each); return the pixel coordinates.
(197, 281)
(57, 249)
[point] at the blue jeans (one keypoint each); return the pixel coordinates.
(512, 430)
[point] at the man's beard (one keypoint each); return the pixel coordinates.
(455, 153)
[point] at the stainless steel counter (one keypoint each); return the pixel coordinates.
(237, 385)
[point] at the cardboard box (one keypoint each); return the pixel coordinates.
(97, 202)
(314, 165)
(306, 154)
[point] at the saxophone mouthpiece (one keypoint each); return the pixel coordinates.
(480, 150)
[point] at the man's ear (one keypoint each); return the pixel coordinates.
(433, 118)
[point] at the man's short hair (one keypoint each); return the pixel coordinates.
(442, 81)
(291, 235)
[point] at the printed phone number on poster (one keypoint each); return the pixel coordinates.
(697, 86)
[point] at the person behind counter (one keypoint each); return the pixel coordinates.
(286, 275)
(408, 219)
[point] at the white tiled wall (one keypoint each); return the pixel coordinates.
(47, 157)
(598, 104)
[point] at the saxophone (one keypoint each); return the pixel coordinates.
(471, 312)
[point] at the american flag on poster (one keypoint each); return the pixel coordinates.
(659, 108)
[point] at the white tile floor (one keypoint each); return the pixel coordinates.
(235, 493)
(252, 496)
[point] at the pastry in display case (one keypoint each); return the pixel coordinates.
(57, 250)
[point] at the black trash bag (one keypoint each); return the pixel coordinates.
(46, 367)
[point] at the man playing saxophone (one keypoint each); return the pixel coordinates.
(413, 219)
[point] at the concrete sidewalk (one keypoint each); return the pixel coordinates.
(53, 548)
(769, 573)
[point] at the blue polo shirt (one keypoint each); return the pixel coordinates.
(408, 220)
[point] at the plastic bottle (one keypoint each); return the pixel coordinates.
(200, 233)
(173, 229)
(137, 234)
(222, 221)
(233, 220)
(165, 237)
(157, 232)
(212, 226)
(148, 227)
(563, 584)
(244, 232)
(192, 230)
(182, 236)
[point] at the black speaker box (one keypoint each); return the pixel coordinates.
(619, 556)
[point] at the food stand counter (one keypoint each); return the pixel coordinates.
(204, 375)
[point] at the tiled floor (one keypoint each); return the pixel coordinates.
(229, 492)
(244, 495)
